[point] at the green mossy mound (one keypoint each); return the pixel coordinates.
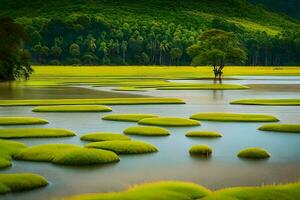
(206, 134)
(169, 121)
(147, 131)
(7, 150)
(124, 147)
(128, 117)
(20, 182)
(254, 153)
(21, 120)
(289, 128)
(66, 154)
(73, 108)
(268, 102)
(103, 136)
(234, 117)
(35, 133)
(201, 150)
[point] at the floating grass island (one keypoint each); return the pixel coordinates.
(234, 117)
(169, 121)
(7, 150)
(35, 133)
(206, 134)
(100, 101)
(290, 128)
(124, 147)
(103, 136)
(20, 182)
(128, 117)
(254, 153)
(147, 131)
(66, 154)
(268, 102)
(73, 108)
(21, 120)
(175, 86)
(201, 150)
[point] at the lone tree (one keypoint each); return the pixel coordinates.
(217, 48)
(14, 60)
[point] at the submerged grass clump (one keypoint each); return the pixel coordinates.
(20, 182)
(268, 102)
(124, 147)
(21, 120)
(201, 150)
(234, 117)
(128, 117)
(103, 136)
(35, 133)
(66, 154)
(290, 128)
(169, 121)
(7, 150)
(206, 134)
(254, 153)
(147, 131)
(72, 108)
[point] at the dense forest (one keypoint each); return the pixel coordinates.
(123, 32)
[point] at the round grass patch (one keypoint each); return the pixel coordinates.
(72, 108)
(201, 150)
(289, 128)
(206, 134)
(234, 117)
(124, 147)
(254, 153)
(21, 120)
(169, 121)
(128, 117)
(103, 136)
(66, 154)
(147, 131)
(35, 133)
(7, 150)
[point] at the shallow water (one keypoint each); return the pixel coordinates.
(173, 161)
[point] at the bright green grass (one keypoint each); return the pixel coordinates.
(169, 121)
(20, 182)
(103, 101)
(66, 154)
(207, 134)
(268, 102)
(73, 108)
(234, 117)
(124, 147)
(103, 136)
(254, 153)
(7, 150)
(201, 150)
(203, 87)
(21, 120)
(291, 128)
(147, 131)
(128, 117)
(35, 133)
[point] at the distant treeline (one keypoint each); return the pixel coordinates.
(91, 40)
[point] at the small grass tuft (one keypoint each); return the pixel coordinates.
(72, 108)
(103, 136)
(128, 117)
(234, 117)
(124, 147)
(7, 150)
(201, 150)
(207, 134)
(21, 120)
(169, 121)
(254, 153)
(268, 102)
(290, 128)
(147, 131)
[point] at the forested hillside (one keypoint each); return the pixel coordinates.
(156, 32)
